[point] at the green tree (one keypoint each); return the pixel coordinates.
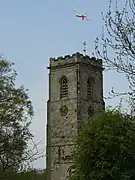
(105, 149)
(31, 174)
(15, 118)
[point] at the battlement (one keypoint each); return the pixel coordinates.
(75, 58)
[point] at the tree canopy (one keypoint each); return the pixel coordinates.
(16, 112)
(30, 174)
(105, 148)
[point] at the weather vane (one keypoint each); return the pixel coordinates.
(84, 50)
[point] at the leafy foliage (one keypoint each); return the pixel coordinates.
(15, 117)
(33, 174)
(105, 149)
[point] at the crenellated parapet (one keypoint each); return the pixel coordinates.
(76, 58)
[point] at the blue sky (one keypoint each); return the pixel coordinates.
(32, 31)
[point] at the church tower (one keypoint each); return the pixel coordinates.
(75, 93)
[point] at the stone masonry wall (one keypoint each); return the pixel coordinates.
(61, 129)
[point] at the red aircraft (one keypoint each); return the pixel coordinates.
(83, 17)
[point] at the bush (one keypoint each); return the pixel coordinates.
(105, 149)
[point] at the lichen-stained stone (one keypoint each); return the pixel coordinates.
(66, 116)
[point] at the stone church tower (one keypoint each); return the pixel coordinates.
(75, 93)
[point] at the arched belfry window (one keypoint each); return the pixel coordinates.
(63, 87)
(90, 87)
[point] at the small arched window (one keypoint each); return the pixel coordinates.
(63, 87)
(70, 171)
(90, 88)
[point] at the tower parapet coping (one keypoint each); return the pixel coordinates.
(74, 59)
